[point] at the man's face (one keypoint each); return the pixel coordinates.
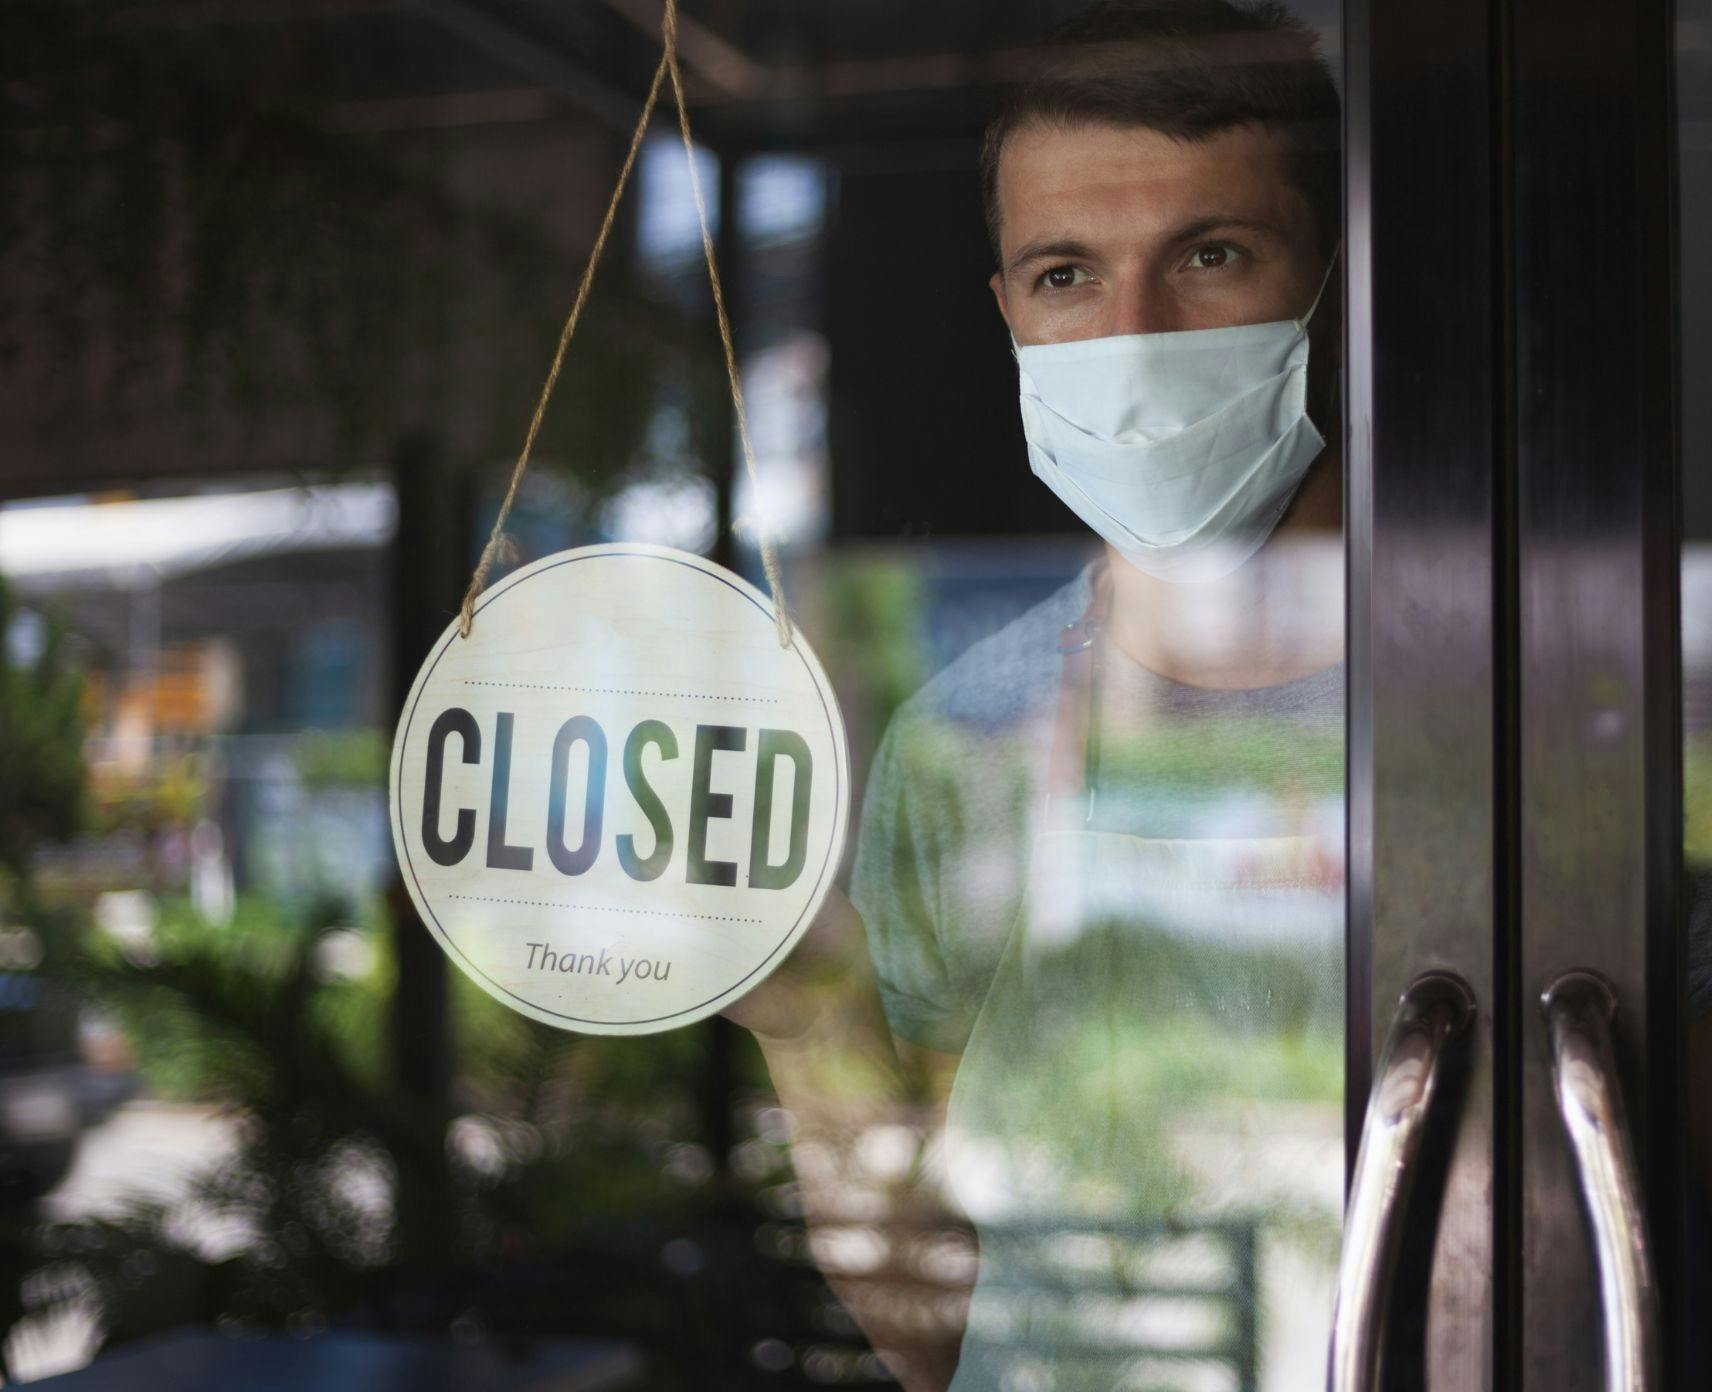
(1108, 230)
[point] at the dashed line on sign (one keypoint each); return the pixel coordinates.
(601, 908)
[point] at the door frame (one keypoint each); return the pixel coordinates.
(1514, 724)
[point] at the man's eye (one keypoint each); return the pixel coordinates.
(1215, 256)
(1062, 277)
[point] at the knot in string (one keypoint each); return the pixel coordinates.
(499, 547)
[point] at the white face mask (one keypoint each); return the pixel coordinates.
(1181, 449)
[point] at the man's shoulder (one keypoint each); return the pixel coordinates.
(1005, 677)
(938, 875)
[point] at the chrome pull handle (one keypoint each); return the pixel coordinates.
(1579, 1008)
(1433, 1010)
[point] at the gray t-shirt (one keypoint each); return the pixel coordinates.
(942, 857)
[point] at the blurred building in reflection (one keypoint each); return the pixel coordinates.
(238, 682)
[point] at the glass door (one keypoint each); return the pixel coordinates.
(1525, 639)
(1243, 471)
(1428, 625)
(1601, 1143)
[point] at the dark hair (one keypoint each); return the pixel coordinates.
(1189, 69)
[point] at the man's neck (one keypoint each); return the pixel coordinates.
(1276, 618)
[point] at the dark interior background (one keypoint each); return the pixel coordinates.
(525, 106)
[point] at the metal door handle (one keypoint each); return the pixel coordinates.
(1579, 1008)
(1433, 1010)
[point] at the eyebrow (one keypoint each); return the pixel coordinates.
(1034, 251)
(1201, 226)
(1072, 250)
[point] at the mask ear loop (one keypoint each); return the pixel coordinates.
(1325, 280)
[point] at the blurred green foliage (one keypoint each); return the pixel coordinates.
(41, 736)
(213, 1011)
(875, 608)
(42, 800)
(340, 1183)
(1213, 756)
(342, 758)
(171, 791)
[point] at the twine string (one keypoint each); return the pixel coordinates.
(769, 553)
(499, 545)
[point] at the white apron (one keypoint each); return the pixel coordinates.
(1117, 1155)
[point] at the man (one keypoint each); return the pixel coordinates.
(1099, 866)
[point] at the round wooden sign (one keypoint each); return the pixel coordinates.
(619, 802)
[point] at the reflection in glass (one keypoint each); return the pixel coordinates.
(1145, 1123)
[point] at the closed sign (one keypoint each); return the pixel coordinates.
(619, 802)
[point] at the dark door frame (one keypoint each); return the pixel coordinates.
(1514, 646)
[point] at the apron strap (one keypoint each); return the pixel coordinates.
(1068, 772)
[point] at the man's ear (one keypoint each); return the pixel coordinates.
(997, 286)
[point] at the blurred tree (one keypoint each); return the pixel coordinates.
(41, 737)
(41, 801)
(573, 1200)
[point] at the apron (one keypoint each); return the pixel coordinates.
(1103, 1131)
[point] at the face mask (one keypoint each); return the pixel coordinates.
(1181, 449)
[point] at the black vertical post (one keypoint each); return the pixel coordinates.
(429, 573)
(721, 1071)
(1246, 1283)
(430, 565)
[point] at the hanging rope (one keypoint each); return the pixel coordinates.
(499, 546)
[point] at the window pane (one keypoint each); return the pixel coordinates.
(1049, 442)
